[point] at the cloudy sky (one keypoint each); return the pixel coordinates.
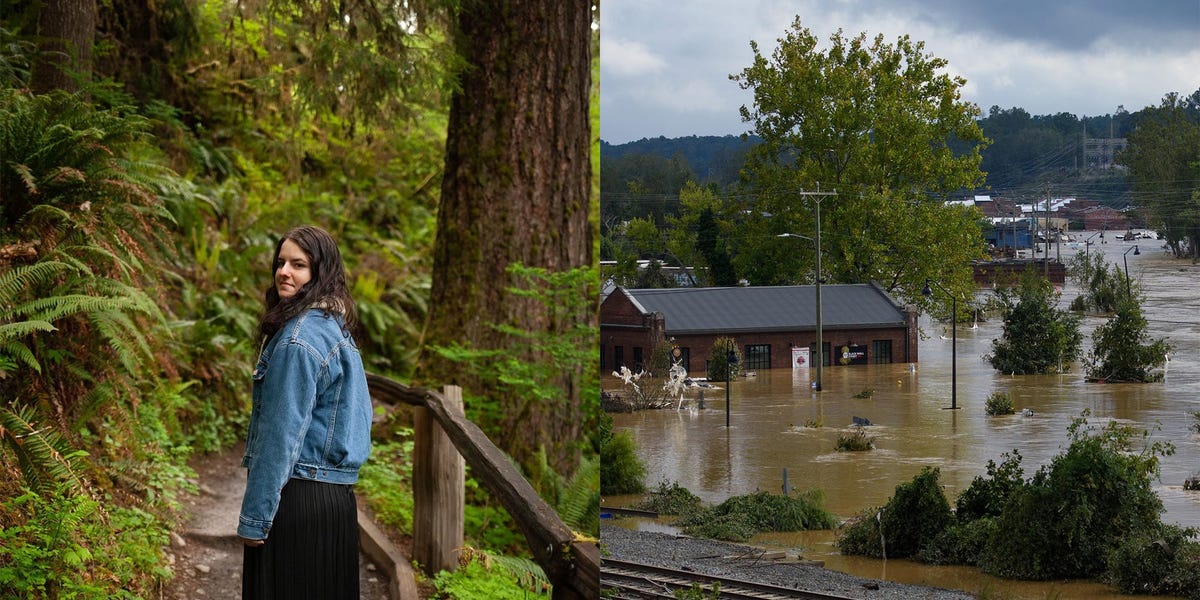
(665, 64)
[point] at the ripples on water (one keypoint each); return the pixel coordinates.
(771, 417)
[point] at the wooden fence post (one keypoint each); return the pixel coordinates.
(438, 489)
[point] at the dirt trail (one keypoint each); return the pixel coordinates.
(206, 553)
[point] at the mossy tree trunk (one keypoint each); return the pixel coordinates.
(67, 29)
(515, 190)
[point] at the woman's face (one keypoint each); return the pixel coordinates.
(293, 269)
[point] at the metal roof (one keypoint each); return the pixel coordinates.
(751, 309)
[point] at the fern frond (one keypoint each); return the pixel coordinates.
(579, 503)
(44, 457)
(24, 277)
(13, 352)
(528, 573)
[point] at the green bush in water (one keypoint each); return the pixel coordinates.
(915, 515)
(671, 499)
(1165, 561)
(741, 517)
(621, 471)
(1077, 509)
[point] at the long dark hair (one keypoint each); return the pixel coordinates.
(326, 290)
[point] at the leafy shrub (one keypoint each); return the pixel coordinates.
(386, 482)
(855, 441)
(1038, 337)
(1164, 561)
(999, 403)
(740, 517)
(1077, 509)
(621, 471)
(65, 548)
(1122, 350)
(986, 497)
(671, 499)
(480, 579)
(960, 543)
(915, 515)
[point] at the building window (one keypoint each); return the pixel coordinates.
(618, 357)
(881, 351)
(758, 356)
(638, 366)
(685, 358)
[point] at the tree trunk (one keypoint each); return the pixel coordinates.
(66, 30)
(515, 190)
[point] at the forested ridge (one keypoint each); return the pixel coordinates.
(150, 155)
(1028, 153)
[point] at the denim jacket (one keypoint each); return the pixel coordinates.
(311, 415)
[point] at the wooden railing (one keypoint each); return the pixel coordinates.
(571, 564)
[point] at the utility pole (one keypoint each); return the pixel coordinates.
(817, 197)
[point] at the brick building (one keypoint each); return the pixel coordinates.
(860, 324)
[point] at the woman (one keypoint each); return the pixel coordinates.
(310, 431)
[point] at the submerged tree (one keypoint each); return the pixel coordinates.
(1038, 337)
(1123, 352)
(1103, 286)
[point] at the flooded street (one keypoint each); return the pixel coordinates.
(778, 423)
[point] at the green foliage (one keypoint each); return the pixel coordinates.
(865, 394)
(699, 592)
(986, 496)
(1038, 337)
(64, 548)
(913, 517)
(1122, 350)
(1160, 561)
(1103, 286)
(719, 368)
(1076, 510)
(856, 440)
(999, 403)
(482, 579)
(621, 470)
(386, 481)
(960, 543)
(671, 499)
(873, 120)
(1161, 157)
(741, 517)
(46, 460)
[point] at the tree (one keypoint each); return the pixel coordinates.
(1122, 351)
(516, 191)
(1038, 337)
(66, 30)
(1163, 157)
(1103, 286)
(697, 236)
(875, 121)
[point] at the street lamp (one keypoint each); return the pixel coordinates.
(730, 361)
(928, 291)
(1126, 261)
(820, 342)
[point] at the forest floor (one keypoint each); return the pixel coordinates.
(205, 552)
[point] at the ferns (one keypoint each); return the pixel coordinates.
(46, 460)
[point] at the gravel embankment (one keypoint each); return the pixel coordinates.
(739, 561)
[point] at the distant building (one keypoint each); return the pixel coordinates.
(860, 324)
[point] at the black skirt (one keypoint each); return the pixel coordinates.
(311, 552)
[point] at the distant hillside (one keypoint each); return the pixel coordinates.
(711, 158)
(1029, 156)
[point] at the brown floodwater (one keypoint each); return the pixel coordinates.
(772, 417)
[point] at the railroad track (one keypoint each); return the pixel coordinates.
(630, 580)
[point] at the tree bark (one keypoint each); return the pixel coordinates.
(66, 32)
(515, 190)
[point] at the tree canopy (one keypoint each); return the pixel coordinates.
(874, 121)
